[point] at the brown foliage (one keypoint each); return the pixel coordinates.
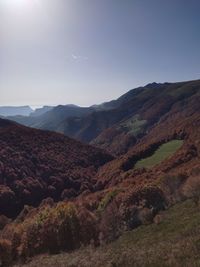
(5, 252)
(171, 185)
(110, 223)
(4, 221)
(36, 164)
(191, 188)
(146, 216)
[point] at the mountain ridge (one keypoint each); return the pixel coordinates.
(15, 110)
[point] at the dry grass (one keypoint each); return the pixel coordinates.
(175, 241)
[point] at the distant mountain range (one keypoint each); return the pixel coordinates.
(114, 125)
(40, 111)
(13, 111)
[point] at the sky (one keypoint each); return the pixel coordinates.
(90, 51)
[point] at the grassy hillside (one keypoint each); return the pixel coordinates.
(175, 241)
(135, 125)
(163, 152)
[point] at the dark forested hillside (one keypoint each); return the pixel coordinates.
(35, 164)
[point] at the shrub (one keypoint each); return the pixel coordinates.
(7, 201)
(145, 216)
(195, 171)
(191, 188)
(49, 229)
(68, 225)
(107, 199)
(88, 227)
(30, 238)
(151, 197)
(5, 252)
(52, 229)
(110, 224)
(130, 216)
(68, 194)
(3, 221)
(171, 186)
(158, 218)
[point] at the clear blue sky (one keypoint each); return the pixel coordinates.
(90, 51)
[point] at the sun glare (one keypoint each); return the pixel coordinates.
(18, 4)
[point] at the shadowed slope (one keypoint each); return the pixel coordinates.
(36, 164)
(117, 125)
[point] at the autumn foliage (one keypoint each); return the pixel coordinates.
(36, 164)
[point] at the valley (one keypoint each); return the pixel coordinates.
(134, 172)
(99, 133)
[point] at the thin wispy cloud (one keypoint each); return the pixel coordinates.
(47, 45)
(78, 57)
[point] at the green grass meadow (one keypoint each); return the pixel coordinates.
(163, 152)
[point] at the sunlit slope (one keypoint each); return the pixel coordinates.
(163, 152)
